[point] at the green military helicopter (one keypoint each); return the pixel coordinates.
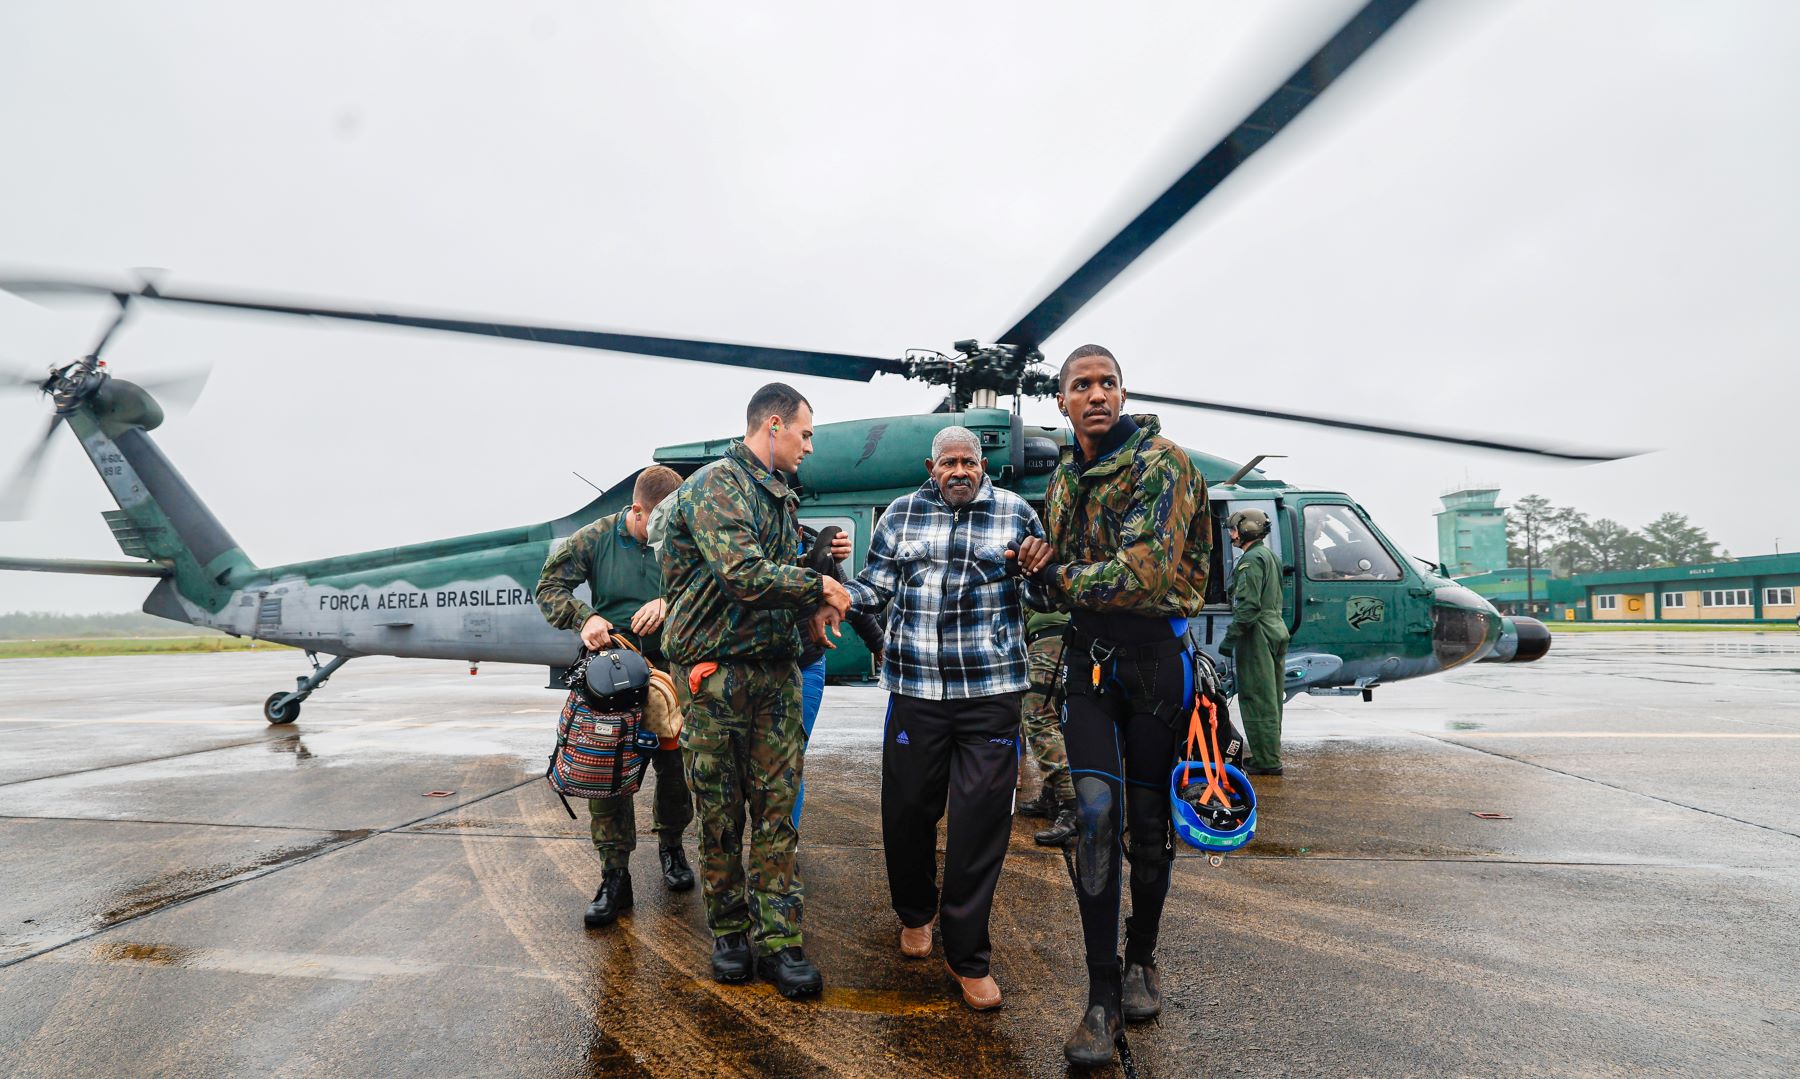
(1361, 611)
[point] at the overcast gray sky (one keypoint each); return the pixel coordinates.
(1567, 220)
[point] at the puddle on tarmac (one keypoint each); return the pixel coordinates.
(1463, 725)
(288, 741)
(160, 955)
(456, 825)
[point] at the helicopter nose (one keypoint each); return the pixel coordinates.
(1464, 626)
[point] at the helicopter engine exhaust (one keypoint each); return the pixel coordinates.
(1522, 640)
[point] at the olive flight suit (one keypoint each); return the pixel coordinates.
(1257, 641)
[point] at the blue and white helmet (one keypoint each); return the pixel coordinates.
(1210, 827)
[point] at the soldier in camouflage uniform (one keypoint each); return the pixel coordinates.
(1043, 729)
(624, 581)
(1127, 517)
(736, 597)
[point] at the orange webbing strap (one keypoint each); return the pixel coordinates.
(699, 673)
(1211, 764)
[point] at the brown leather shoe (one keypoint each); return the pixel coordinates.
(981, 994)
(915, 942)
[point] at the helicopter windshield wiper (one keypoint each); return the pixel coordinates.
(1264, 123)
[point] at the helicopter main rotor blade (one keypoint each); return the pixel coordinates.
(1264, 122)
(19, 380)
(1341, 423)
(762, 357)
(17, 494)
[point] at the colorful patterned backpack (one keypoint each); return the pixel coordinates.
(603, 743)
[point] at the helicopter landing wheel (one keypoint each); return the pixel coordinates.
(276, 712)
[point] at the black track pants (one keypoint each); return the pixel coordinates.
(967, 751)
(1120, 754)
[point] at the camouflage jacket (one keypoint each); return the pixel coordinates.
(621, 575)
(1132, 531)
(729, 569)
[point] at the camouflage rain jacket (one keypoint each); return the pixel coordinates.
(729, 570)
(1132, 530)
(621, 574)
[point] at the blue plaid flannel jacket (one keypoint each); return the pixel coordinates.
(955, 621)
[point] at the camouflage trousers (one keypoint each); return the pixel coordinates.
(1043, 726)
(742, 743)
(613, 821)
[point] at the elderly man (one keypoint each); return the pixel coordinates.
(943, 562)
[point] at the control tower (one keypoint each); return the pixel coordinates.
(1472, 531)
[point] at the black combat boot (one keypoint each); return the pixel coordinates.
(1141, 996)
(1091, 1043)
(731, 958)
(614, 896)
(1042, 807)
(1062, 828)
(791, 973)
(676, 873)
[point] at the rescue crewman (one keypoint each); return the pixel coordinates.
(1043, 729)
(1258, 639)
(735, 599)
(1128, 522)
(624, 579)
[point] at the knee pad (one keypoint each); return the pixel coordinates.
(1151, 856)
(1098, 810)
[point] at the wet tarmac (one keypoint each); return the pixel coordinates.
(187, 891)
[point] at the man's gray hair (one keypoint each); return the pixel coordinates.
(954, 436)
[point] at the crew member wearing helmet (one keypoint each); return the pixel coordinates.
(1257, 640)
(1127, 521)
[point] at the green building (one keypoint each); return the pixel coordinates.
(1472, 531)
(1760, 588)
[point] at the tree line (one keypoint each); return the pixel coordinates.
(34, 625)
(1566, 541)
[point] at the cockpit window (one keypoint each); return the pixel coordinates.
(1341, 547)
